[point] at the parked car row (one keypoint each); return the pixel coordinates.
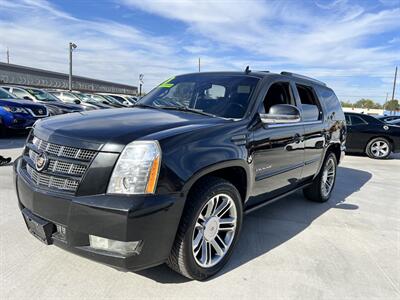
(377, 137)
(19, 113)
(20, 106)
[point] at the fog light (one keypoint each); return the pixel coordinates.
(124, 248)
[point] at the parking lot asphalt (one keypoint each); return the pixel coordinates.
(347, 248)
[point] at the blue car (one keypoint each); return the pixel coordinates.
(18, 113)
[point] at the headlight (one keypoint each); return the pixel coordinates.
(13, 109)
(137, 168)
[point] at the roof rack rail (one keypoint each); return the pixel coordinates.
(302, 77)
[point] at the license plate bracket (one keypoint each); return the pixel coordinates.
(38, 227)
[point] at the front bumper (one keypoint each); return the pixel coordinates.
(152, 219)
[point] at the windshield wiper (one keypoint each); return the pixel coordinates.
(187, 109)
(144, 105)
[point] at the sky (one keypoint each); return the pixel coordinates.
(353, 46)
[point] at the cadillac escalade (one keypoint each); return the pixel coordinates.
(169, 180)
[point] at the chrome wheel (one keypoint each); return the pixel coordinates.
(328, 177)
(380, 149)
(214, 231)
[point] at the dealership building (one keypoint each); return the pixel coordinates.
(26, 76)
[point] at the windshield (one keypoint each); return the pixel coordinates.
(224, 96)
(42, 95)
(110, 99)
(83, 97)
(119, 99)
(6, 95)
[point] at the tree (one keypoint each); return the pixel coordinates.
(392, 105)
(346, 104)
(365, 103)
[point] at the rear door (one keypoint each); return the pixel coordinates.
(315, 130)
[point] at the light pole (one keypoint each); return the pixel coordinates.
(72, 46)
(140, 84)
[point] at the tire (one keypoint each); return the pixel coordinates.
(318, 191)
(378, 148)
(186, 258)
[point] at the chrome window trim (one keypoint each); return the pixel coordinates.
(294, 124)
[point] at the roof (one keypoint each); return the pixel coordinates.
(263, 74)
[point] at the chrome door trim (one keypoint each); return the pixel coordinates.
(294, 124)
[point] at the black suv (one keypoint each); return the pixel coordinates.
(170, 179)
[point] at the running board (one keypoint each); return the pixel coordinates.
(257, 206)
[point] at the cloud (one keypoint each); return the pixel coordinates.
(106, 50)
(331, 37)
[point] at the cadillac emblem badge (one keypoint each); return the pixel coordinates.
(41, 162)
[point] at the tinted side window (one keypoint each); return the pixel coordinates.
(311, 107)
(356, 120)
(278, 93)
(348, 122)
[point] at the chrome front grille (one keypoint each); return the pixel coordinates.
(65, 168)
(64, 151)
(52, 181)
(59, 166)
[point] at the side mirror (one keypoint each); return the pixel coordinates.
(76, 101)
(281, 113)
(27, 98)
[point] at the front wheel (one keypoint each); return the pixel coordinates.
(321, 188)
(208, 231)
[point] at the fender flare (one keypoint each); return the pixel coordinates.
(218, 166)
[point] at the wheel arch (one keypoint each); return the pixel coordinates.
(336, 149)
(236, 172)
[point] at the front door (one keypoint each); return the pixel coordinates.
(357, 133)
(277, 150)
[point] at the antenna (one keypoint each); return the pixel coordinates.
(247, 71)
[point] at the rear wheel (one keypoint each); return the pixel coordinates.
(208, 231)
(321, 188)
(379, 148)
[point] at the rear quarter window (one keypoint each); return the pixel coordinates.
(311, 107)
(330, 102)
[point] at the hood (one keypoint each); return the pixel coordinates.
(112, 129)
(20, 103)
